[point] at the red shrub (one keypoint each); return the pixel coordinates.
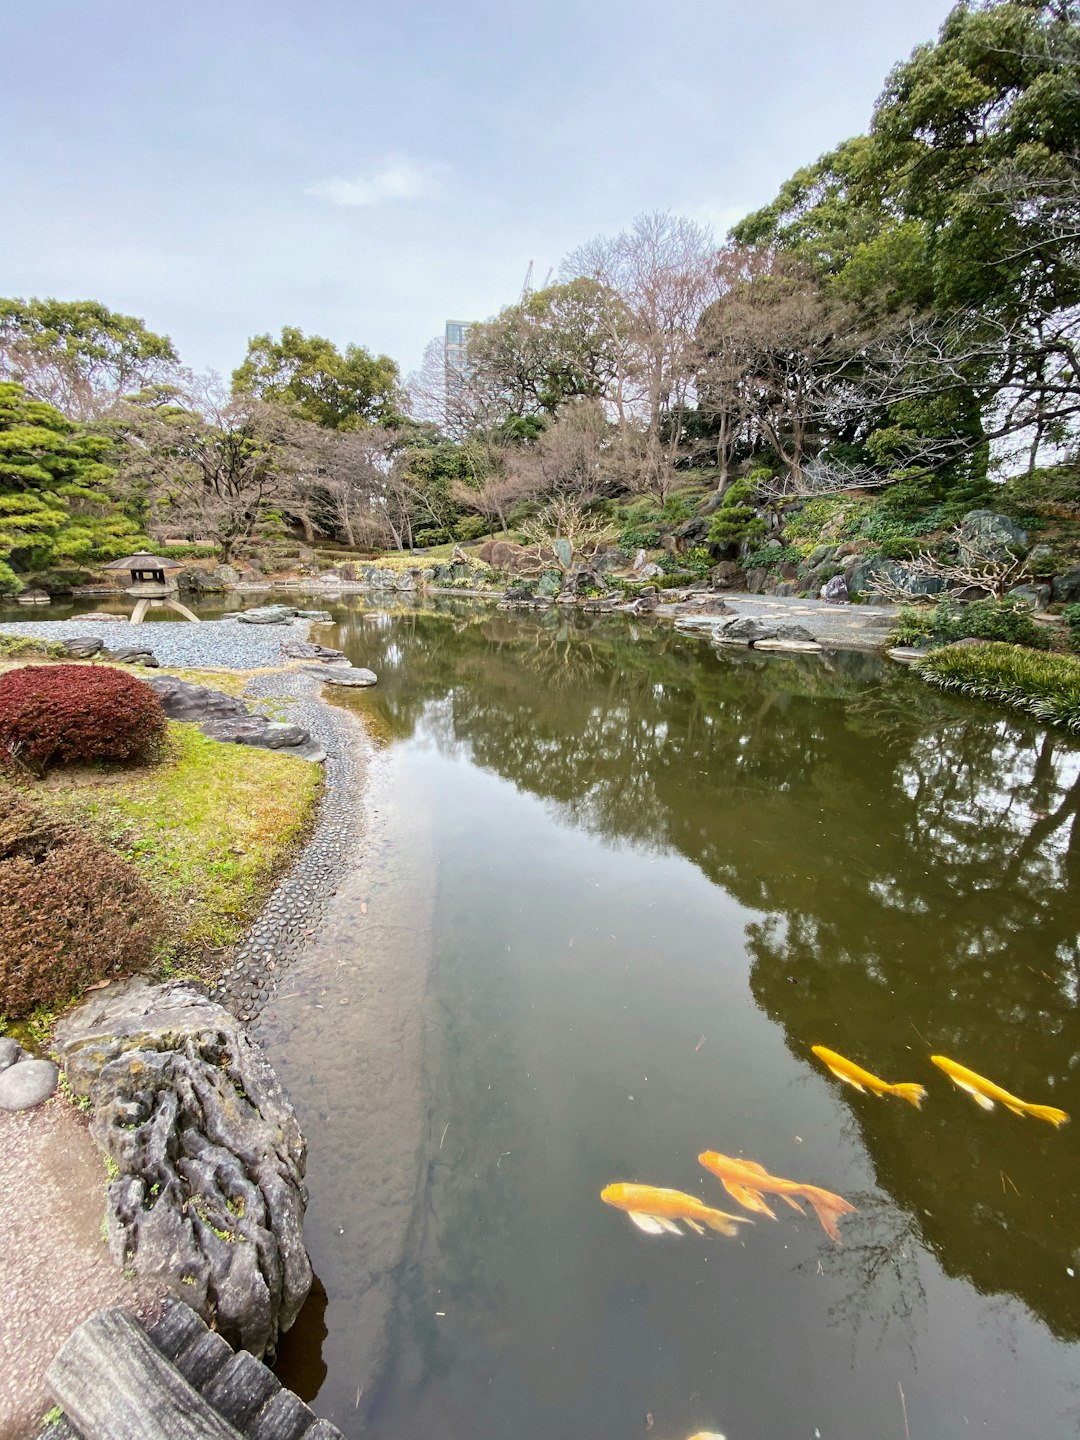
(72, 911)
(52, 714)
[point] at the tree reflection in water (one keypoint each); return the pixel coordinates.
(916, 859)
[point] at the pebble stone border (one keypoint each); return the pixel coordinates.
(295, 908)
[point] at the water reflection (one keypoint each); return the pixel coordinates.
(912, 862)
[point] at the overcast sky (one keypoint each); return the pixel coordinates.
(367, 171)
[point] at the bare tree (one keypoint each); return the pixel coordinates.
(778, 362)
(571, 456)
(663, 268)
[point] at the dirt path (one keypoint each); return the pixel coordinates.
(54, 1269)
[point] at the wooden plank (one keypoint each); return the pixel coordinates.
(283, 1417)
(240, 1389)
(323, 1430)
(177, 1329)
(114, 1384)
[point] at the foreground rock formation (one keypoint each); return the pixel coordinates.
(208, 1195)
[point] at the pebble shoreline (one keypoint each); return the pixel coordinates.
(290, 917)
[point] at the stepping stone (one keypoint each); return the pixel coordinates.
(27, 1083)
(356, 678)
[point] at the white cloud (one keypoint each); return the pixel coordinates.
(395, 179)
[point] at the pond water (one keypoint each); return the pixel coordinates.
(614, 889)
(624, 886)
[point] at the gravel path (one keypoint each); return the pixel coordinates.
(291, 917)
(215, 642)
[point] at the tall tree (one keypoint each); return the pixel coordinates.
(78, 355)
(58, 501)
(663, 270)
(341, 390)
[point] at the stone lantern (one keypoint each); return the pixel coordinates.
(149, 587)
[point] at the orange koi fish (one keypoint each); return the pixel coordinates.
(655, 1211)
(746, 1180)
(984, 1092)
(861, 1079)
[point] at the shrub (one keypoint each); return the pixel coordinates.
(1071, 616)
(472, 527)
(1008, 621)
(183, 552)
(63, 713)
(19, 647)
(1046, 686)
(772, 557)
(736, 520)
(71, 910)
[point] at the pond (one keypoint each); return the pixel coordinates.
(619, 887)
(614, 889)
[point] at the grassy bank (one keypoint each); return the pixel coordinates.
(1045, 686)
(208, 828)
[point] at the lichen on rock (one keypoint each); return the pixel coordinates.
(208, 1160)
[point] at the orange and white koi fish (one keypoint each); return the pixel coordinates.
(747, 1182)
(984, 1092)
(655, 1211)
(861, 1079)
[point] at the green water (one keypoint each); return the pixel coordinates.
(652, 879)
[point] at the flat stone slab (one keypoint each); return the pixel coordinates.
(806, 646)
(906, 654)
(27, 1083)
(355, 678)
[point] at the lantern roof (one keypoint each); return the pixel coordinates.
(142, 560)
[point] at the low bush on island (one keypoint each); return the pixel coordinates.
(72, 911)
(77, 714)
(1045, 686)
(1005, 620)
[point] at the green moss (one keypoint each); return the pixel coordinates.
(1045, 686)
(208, 828)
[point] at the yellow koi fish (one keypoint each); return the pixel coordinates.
(861, 1079)
(747, 1182)
(984, 1092)
(655, 1211)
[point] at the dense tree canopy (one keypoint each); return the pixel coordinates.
(57, 503)
(77, 354)
(341, 390)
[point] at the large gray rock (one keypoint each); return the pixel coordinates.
(993, 534)
(27, 1083)
(226, 718)
(209, 1199)
(746, 630)
(268, 615)
(131, 655)
(308, 650)
(355, 676)
(1065, 588)
(861, 576)
(83, 646)
(835, 591)
(10, 1051)
(727, 576)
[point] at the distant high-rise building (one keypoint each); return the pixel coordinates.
(457, 335)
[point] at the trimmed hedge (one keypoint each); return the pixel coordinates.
(1045, 686)
(72, 911)
(60, 714)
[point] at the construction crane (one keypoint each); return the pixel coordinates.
(526, 289)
